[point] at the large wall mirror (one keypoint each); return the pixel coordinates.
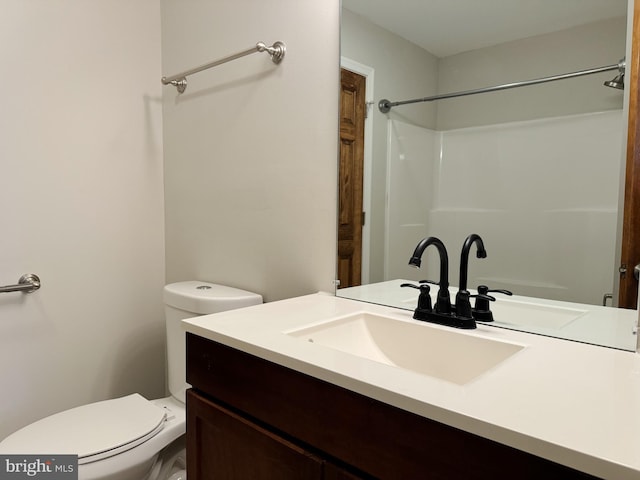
(537, 171)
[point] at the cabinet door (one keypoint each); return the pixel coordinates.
(333, 472)
(224, 446)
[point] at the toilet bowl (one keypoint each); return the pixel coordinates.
(132, 438)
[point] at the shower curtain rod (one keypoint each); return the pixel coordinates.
(385, 105)
(179, 80)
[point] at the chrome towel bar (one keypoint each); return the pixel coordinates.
(179, 80)
(27, 283)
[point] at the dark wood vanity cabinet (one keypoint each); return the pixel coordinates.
(225, 445)
(248, 418)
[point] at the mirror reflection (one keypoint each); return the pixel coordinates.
(536, 171)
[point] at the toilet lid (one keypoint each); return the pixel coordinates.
(93, 432)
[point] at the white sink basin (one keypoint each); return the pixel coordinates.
(449, 355)
(522, 314)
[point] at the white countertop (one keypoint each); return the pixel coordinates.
(573, 403)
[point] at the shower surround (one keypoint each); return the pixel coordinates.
(543, 195)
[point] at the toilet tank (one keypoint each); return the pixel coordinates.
(191, 299)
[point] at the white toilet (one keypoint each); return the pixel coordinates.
(132, 438)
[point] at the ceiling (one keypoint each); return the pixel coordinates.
(447, 27)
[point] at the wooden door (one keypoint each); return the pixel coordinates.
(628, 294)
(350, 214)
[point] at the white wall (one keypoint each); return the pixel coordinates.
(588, 46)
(411, 164)
(402, 70)
(250, 163)
(82, 202)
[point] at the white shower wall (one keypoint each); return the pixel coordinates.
(542, 194)
(410, 161)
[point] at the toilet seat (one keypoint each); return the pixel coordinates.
(93, 432)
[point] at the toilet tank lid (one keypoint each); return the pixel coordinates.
(203, 297)
(93, 432)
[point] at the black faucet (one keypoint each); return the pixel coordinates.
(442, 313)
(460, 315)
(463, 304)
(443, 301)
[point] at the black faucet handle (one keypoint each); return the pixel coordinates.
(482, 312)
(483, 290)
(423, 287)
(463, 304)
(482, 296)
(424, 300)
(431, 282)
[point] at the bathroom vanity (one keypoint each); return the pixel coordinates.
(279, 392)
